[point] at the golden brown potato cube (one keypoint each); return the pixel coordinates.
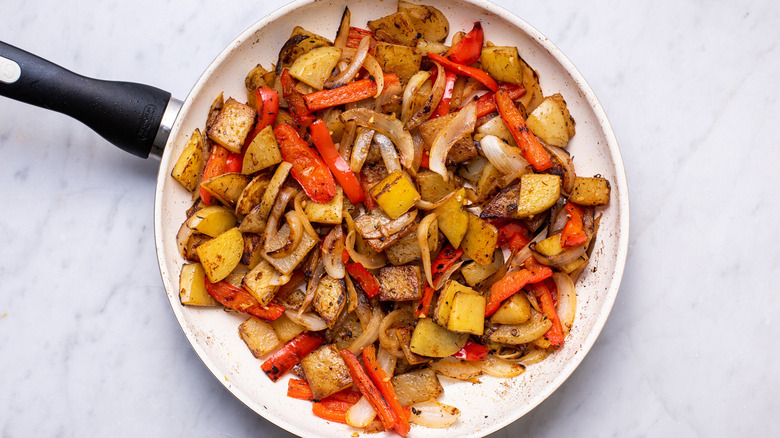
(220, 255)
(314, 67)
(212, 220)
(488, 181)
(590, 191)
(346, 331)
(551, 121)
(514, 310)
(503, 64)
(326, 372)
(407, 250)
(475, 273)
(429, 21)
(467, 314)
(258, 282)
(503, 205)
(262, 152)
(327, 213)
(259, 336)
(192, 286)
(227, 188)
(432, 340)
(480, 240)
(301, 41)
(190, 164)
(417, 386)
(441, 314)
(400, 283)
(433, 187)
(404, 61)
(329, 298)
(395, 194)
(252, 194)
(462, 150)
(286, 329)
(395, 28)
(550, 246)
(232, 125)
(253, 250)
(538, 192)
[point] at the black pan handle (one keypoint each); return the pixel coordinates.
(129, 115)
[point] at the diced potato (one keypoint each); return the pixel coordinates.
(269, 196)
(192, 286)
(467, 314)
(480, 240)
(503, 64)
(407, 250)
(262, 152)
(497, 127)
(252, 194)
(329, 298)
(551, 121)
(220, 255)
(417, 386)
(237, 276)
(550, 246)
(400, 283)
(516, 334)
(301, 41)
(346, 330)
(286, 329)
(572, 266)
(433, 187)
(259, 336)
(232, 125)
(395, 28)
(538, 192)
(253, 250)
(488, 181)
(453, 219)
(590, 191)
(533, 91)
(326, 371)
(503, 205)
(252, 222)
(329, 212)
(212, 220)
(514, 310)
(285, 265)
(258, 282)
(472, 170)
(256, 79)
(227, 188)
(395, 194)
(404, 61)
(441, 313)
(475, 273)
(190, 164)
(314, 67)
(427, 20)
(432, 340)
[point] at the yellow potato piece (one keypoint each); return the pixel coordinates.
(480, 240)
(432, 340)
(220, 255)
(227, 188)
(538, 192)
(503, 64)
(262, 152)
(192, 286)
(190, 164)
(212, 220)
(232, 125)
(467, 314)
(395, 194)
(315, 66)
(453, 219)
(550, 121)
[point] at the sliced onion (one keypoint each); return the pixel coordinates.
(567, 184)
(506, 158)
(276, 213)
(370, 333)
(462, 124)
(386, 361)
(564, 257)
(434, 414)
(419, 146)
(415, 82)
(422, 242)
(387, 125)
(393, 226)
(388, 94)
(389, 341)
(354, 67)
(441, 279)
(431, 103)
(347, 139)
(363, 138)
(558, 218)
(368, 262)
(296, 235)
(456, 369)
(352, 296)
(496, 367)
(389, 154)
(182, 237)
(426, 205)
(332, 250)
(343, 34)
(375, 70)
(309, 320)
(533, 356)
(567, 300)
(278, 279)
(311, 288)
(361, 414)
(302, 216)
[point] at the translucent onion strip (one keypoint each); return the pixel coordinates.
(361, 414)
(415, 82)
(276, 213)
(434, 414)
(456, 369)
(343, 33)
(332, 250)
(370, 333)
(302, 215)
(353, 68)
(461, 125)
(311, 288)
(296, 235)
(375, 70)
(506, 158)
(567, 184)
(422, 241)
(431, 103)
(368, 262)
(386, 361)
(389, 154)
(447, 274)
(363, 137)
(388, 341)
(311, 321)
(567, 300)
(496, 367)
(387, 125)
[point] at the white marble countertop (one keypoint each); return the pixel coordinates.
(89, 345)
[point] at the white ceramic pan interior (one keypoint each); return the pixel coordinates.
(485, 407)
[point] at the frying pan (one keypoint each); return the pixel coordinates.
(145, 121)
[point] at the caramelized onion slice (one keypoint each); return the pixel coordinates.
(461, 125)
(387, 125)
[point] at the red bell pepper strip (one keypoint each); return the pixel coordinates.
(356, 35)
(341, 170)
(368, 389)
(352, 92)
(308, 169)
(300, 389)
(267, 107)
(486, 103)
(291, 354)
(573, 233)
(370, 202)
(215, 166)
(468, 50)
(382, 382)
(424, 307)
(444, 104)
(447, 257)
(515, 234)
(512, 283)
(544, 296)
(344, 256)
(426, 160)
(242, 301)
(472, 352)
(234, 162)
(464, 70)
(532, 150)
(294, 99)
(367, 282)
(335, 407)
